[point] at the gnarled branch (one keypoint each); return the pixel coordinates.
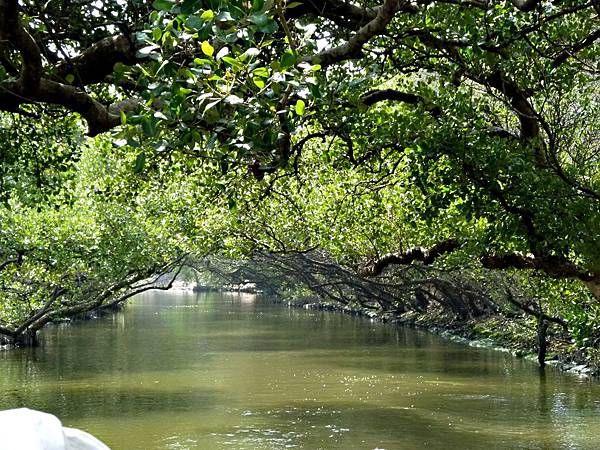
(571, 51)
(97, 62)
(339, 12)
(376, 96)
(420, 254)
(92, 66)
(352, 48)
(553, 266)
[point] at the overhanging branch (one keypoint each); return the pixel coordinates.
(571, 51)
(91, 66)
(352, 48)
(94, 64)
(553, 266)
(341, 13)
(380, 95)
(13, 31)
(419, 254)
(537, 313)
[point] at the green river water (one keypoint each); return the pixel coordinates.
(222, 371)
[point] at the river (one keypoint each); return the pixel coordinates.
(181, 370)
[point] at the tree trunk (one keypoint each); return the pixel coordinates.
(541, 340)
(26, 339)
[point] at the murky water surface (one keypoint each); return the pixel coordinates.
(221, 371)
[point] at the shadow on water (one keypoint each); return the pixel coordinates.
(84, 402)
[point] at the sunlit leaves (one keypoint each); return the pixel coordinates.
(207, 15)
(299, 108)
(234, 80)
(259, 82)
(207, 49)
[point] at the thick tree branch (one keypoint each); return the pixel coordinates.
(572, 50)
(376, 96)
(100, 117)
(146, 287)
(91, 66)
(372, 97)
(343, 14)
(525, 5)
(353, 47)
(7, 332)
(339, 12)
(95, 113)
(553, 266)
(95, 63)
(58, 291)
(102, 297)
(480, 4)
(523, 307)
(32, 88)
(517, 97)
(420, 254)
(13, 31)
(92, 304)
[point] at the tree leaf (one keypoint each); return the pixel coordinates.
(223, 52)
(149, 126)
(288, 59)
(261, 72)
(163, 5)
(140, 162)
(258, 82)
(250, 53)
(263, 23)
(145, 51)
(211, 105)
(300, 107)
(207, 15)
(194, 22)
(207, 49)
(257, 5)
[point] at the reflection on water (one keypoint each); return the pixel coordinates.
(215, 371)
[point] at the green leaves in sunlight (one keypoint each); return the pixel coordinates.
(299, 108)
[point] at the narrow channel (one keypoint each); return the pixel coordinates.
(180, 370)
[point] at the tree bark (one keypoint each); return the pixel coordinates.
(28, 338)
(541, 340)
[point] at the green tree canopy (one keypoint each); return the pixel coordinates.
(386, 133)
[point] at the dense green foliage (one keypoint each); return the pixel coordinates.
(73, 249)
(459, 135)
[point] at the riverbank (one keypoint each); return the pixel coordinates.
(516, 334)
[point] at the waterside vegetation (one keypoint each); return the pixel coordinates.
(435, 158)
